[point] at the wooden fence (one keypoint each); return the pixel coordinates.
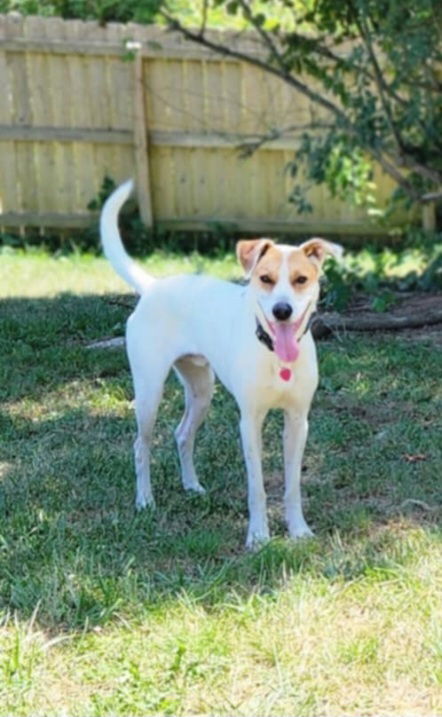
(74, 108)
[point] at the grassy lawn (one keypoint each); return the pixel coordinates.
(106, 612)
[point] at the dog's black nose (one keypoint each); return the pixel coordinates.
(282, 311)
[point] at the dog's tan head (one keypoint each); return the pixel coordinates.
(285, 282)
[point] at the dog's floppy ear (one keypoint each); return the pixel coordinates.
(250, 251)
(318, 249)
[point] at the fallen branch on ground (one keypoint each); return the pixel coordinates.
(107, 343)
(326, 324)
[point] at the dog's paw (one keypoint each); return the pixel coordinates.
(195, 488)
(301, 531)
(141, 503)
(256, 539)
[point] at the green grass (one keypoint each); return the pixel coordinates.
(106, 612)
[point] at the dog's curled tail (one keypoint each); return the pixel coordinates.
(113, 246)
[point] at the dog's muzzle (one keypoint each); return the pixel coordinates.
(265, 338)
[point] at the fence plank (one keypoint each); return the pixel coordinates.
(141, 144)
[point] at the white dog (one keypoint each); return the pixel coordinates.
(255, 338)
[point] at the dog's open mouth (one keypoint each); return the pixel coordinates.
(286, 342)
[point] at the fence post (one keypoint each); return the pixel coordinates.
(429, 216)
(141, 144)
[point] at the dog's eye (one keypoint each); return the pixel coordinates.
(300, 280)
(265, 278)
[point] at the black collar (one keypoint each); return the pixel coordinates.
(263, 336)
(266, 339)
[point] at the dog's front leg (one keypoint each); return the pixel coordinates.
(295, 436)
(251, 426)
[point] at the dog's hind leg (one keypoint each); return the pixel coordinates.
(149, 372)
(147, 399)
(198, 380)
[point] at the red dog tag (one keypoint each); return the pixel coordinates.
(285, 374)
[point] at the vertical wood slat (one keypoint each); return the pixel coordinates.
(12, 29)
(9, 190)
(429, 216)
(58, 162)
(141, 147)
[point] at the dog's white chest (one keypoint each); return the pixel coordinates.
(257, 376)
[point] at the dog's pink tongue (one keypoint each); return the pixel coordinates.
(286, 344)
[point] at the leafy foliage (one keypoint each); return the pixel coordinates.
(384, 273)
(101, 10)
(371, 69)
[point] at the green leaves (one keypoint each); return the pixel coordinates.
(369, 69)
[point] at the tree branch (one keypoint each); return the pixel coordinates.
(379, 79)
(432, 174)
(344, 123)
(283, 74)
(326, 324)
(253, 143)
(431, 197)
(331, 323)
(264, 35)
(204, 17)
